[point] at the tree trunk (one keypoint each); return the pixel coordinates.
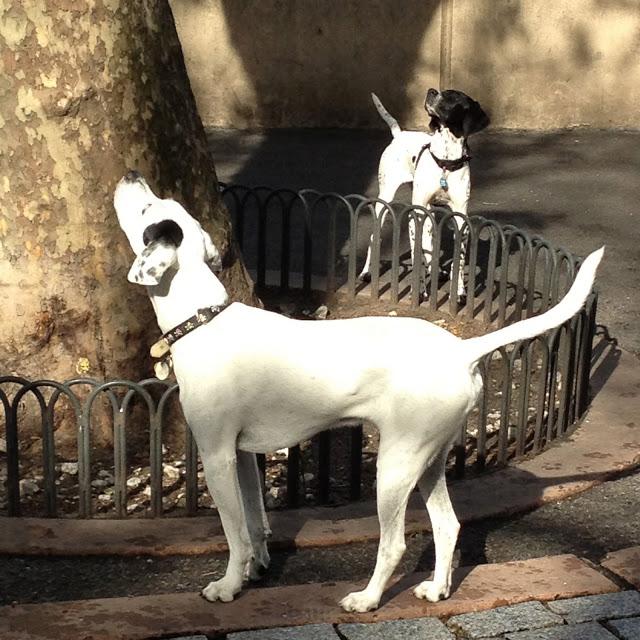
(87, 91)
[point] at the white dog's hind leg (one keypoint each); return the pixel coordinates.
(392, 174)
(257, 523)
(380, 215)
(433, 487)
(396, 477)
(222, 480)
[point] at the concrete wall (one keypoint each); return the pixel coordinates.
(532, 64)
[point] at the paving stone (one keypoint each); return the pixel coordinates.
(418, 629)
(489, 624)
(623, 604)
(626, 564)
(588, 631)
(626, 629)
(305, 632)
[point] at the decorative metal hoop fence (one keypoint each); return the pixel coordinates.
(304, 242)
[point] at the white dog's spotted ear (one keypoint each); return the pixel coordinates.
(149, 267)
(162, 240)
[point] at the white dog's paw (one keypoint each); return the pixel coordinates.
(359, 601)
(221, 590)
(429, 590)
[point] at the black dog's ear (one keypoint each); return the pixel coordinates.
(475, 119)
(168, 231)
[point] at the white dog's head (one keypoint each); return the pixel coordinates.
(161, 233)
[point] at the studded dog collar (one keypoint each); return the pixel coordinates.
(203, 316)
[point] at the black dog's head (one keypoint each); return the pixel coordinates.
(456, 111)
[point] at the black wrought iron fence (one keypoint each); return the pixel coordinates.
(308, 241)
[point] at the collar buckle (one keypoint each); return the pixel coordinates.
(158, 349)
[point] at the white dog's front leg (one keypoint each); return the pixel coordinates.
(222, 480)
(459, 194)
(422, 254)
(257, 523)
(427, 240)
(463, 231)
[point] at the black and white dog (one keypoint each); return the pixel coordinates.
(437, 163)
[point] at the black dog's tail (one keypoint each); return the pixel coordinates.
(386, 116)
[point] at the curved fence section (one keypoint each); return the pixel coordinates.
(308, 242)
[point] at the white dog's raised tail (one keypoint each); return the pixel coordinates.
(386, 116)
(475, 348)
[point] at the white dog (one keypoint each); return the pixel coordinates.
(255, 381)
(437, 163)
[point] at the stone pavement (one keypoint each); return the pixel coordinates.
(614, 616)
(553, 598)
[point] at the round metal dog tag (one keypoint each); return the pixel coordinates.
(162, 370)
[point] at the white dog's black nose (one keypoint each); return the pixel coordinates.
(133, 176)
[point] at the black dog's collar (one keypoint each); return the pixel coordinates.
(203, 316)
(446, 165)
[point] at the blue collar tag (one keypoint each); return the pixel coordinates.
(443, 182)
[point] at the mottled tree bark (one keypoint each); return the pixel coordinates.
(89, 89)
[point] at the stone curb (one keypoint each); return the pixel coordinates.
(138, 618)
(606, 445)
(625, 563)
